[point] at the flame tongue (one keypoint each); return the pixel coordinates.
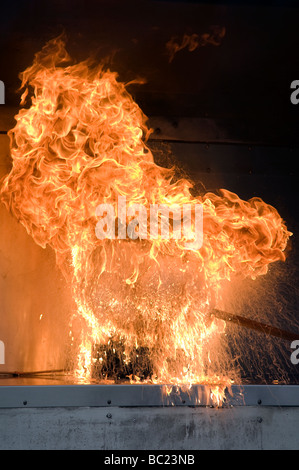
(82, 143)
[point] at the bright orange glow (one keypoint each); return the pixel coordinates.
(82, 142)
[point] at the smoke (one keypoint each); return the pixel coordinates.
(195, 41)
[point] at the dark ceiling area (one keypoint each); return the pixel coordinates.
(239, 69)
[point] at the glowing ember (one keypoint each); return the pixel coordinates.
(81, 143)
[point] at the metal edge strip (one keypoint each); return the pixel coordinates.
(44, 396)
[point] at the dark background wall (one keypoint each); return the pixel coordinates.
(246, 80)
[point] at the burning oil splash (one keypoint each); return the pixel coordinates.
(82, 142)
(194, 41)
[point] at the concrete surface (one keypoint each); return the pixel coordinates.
(176, 428)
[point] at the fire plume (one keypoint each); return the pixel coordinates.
(82, 141)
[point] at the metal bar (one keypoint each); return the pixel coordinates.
(255, 325)
(102, 395)
(209, 130)
(44, 396)
(30, 373)
(188, 129)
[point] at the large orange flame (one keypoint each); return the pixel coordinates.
(82, 142)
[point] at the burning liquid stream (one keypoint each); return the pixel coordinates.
(81, 143)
